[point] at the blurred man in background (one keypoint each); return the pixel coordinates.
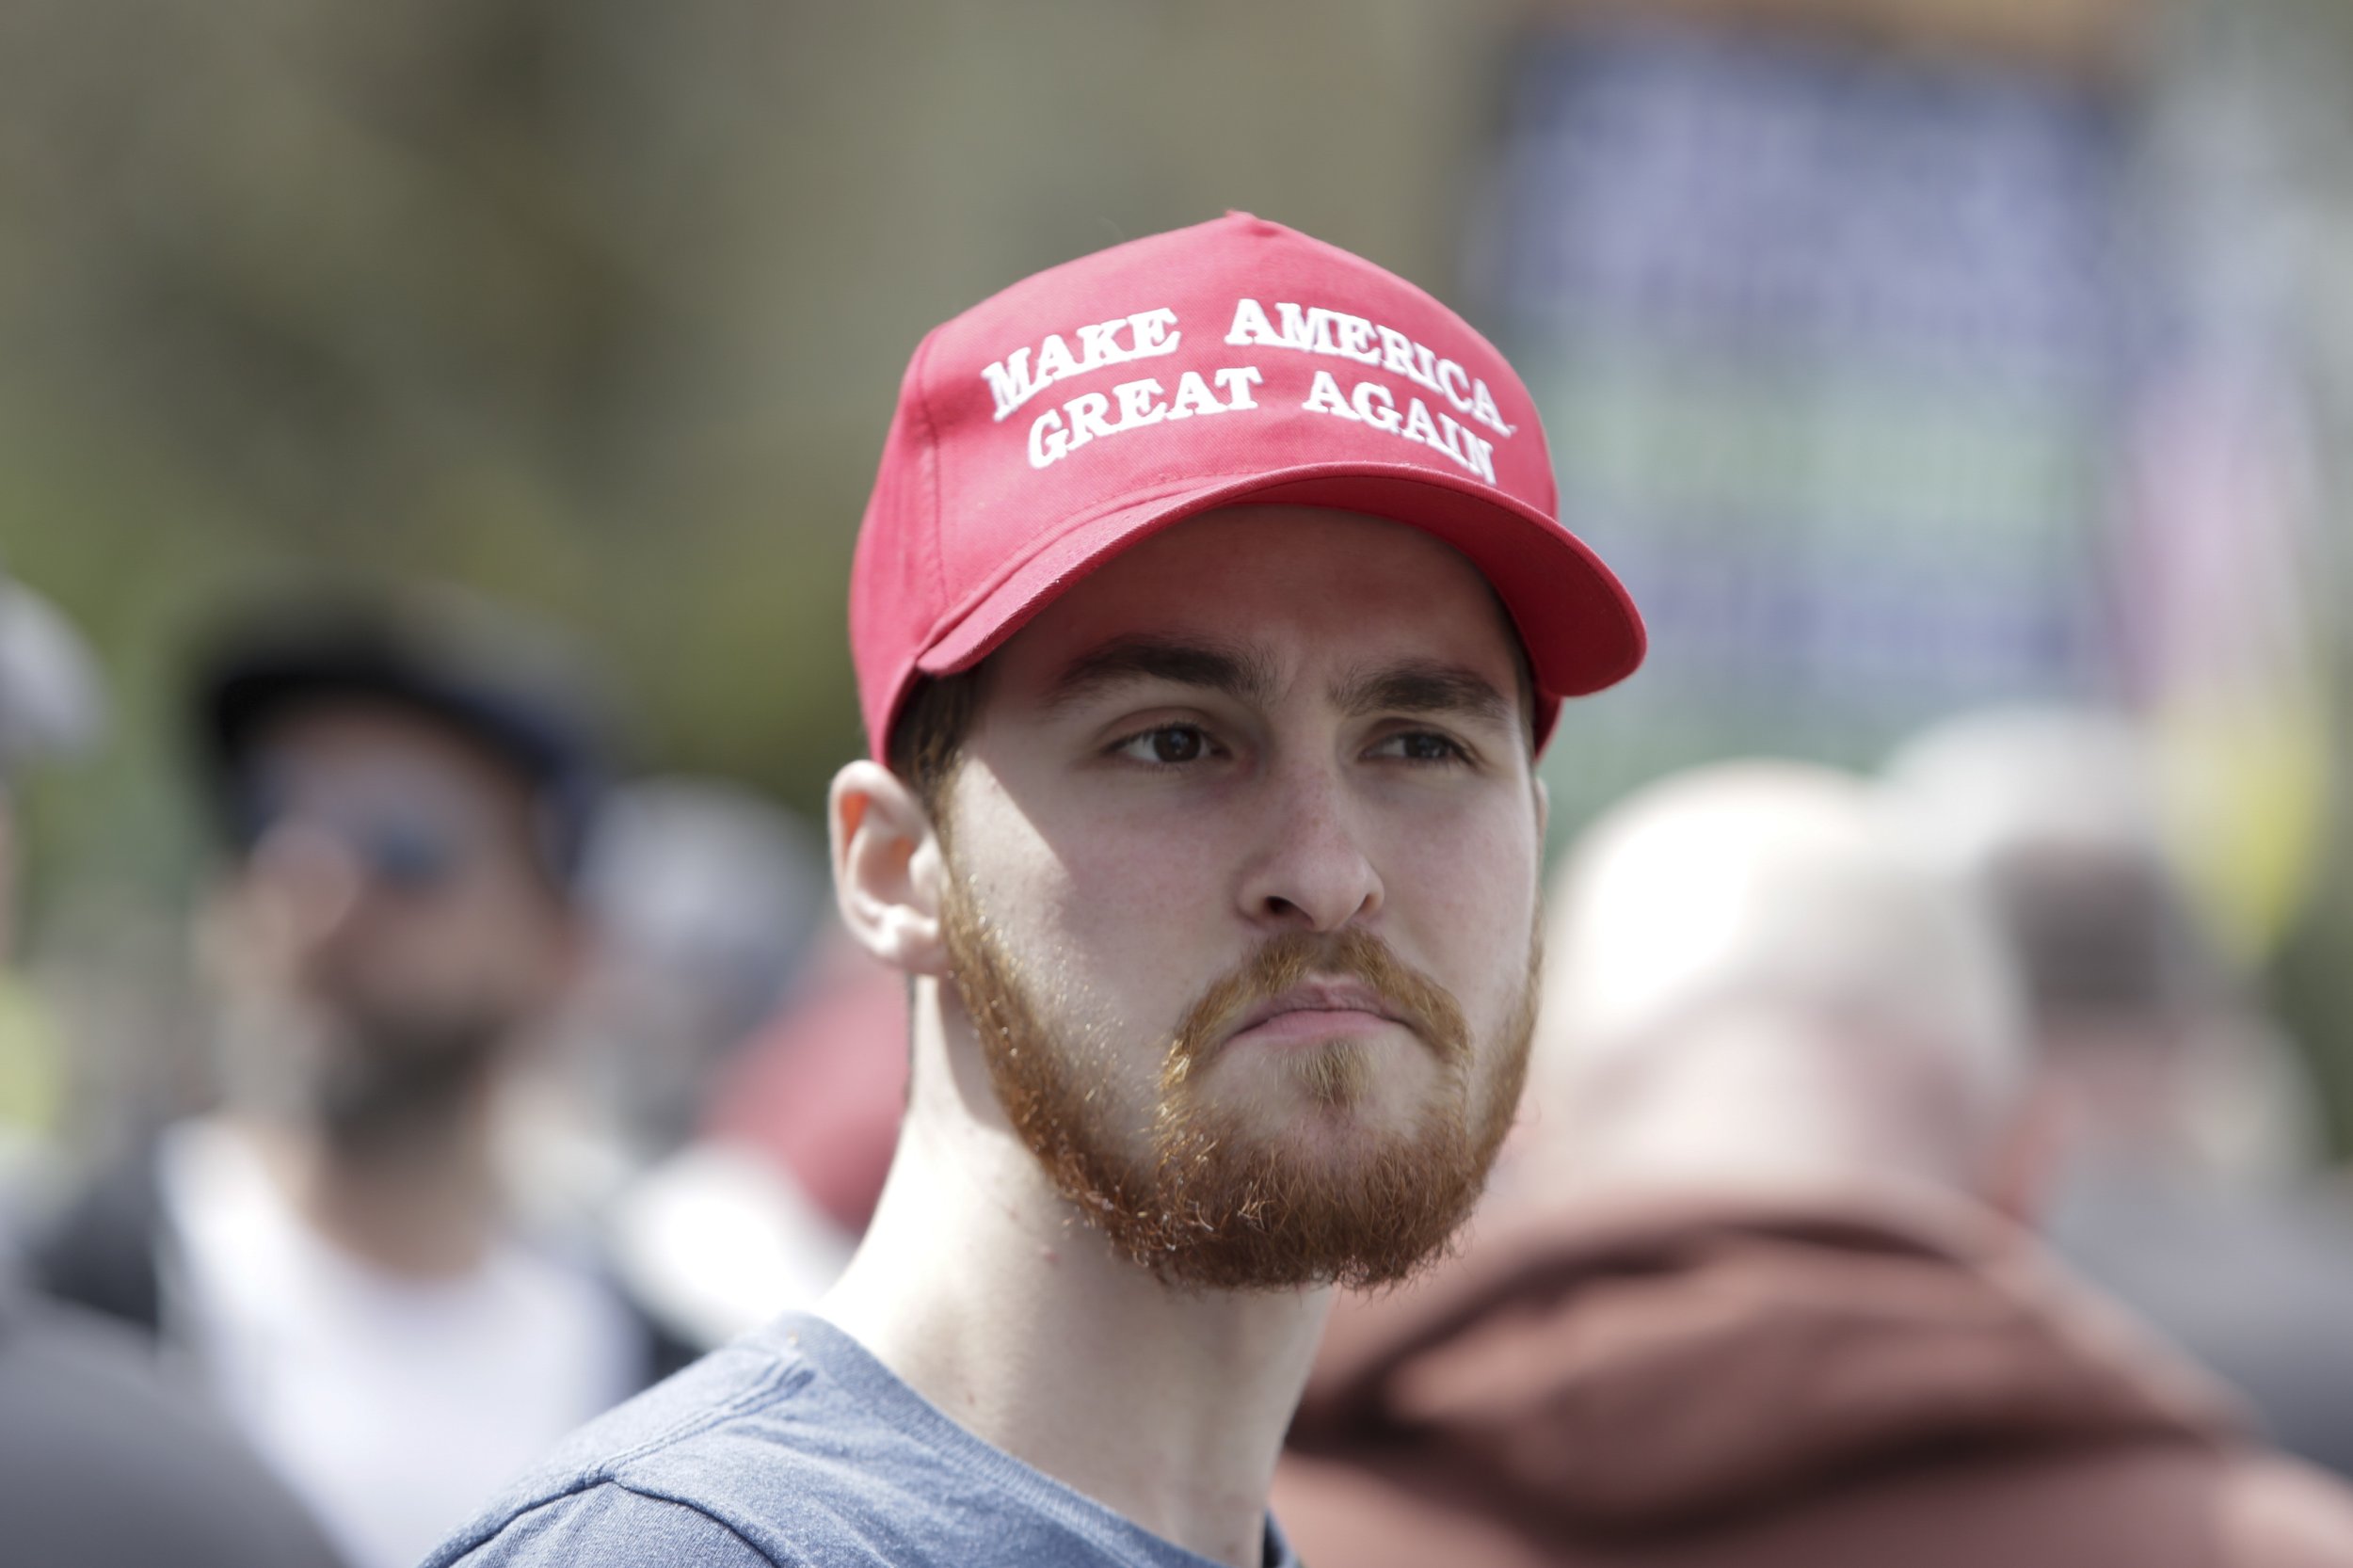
(2185, 1132)
(102, 1462)
(405, 786)
(1750, 1291)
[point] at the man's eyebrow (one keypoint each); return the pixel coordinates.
(1237, 672)
(1420, 686)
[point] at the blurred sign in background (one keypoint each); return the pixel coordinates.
(1906, 354)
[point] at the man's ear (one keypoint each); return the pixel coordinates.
(887, 871)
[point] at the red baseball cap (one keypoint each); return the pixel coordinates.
(1055, 424)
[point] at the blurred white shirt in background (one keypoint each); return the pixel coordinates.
(395, 1409)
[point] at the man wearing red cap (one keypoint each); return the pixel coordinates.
(1209, 613)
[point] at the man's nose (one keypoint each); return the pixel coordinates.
(309, 882)
(1310, 871)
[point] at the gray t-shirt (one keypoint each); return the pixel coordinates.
(793, 1446)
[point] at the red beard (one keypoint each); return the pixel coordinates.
(1213, 1205)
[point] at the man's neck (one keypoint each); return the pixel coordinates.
(979, 1285)
(427, 1207)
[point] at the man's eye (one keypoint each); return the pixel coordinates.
(1420, 745)
(1170, 746)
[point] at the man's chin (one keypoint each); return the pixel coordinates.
(1302, 1138)
(1336, 1094)
(1324, 1199)
(393, 1079)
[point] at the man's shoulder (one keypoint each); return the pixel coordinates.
(601, 1524)
(767, 1450)
(793, 1446)
(682, 1467)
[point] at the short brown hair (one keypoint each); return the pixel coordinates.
(927, 738)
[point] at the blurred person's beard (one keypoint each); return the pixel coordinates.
(395, 1079)
(1215, 1205)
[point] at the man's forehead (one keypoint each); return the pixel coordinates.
(1253, 673)
(370, 744)
(350, 721)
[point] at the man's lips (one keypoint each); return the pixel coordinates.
(1320, 1009)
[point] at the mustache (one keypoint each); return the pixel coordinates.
(1295, 957)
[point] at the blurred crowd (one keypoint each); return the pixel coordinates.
(461, 1185)
(1911, 1152)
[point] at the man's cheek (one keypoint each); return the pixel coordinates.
(1158, 886)
(1469, 900)
(1475, 940)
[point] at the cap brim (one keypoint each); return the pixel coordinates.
(1577, 621)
